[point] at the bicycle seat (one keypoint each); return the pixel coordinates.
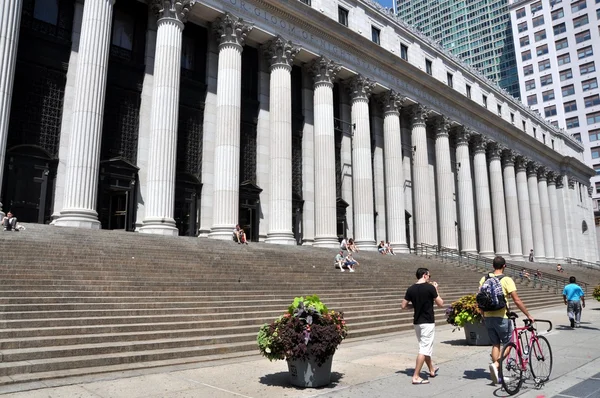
(512, 315)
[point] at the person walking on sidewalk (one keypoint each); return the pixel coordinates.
(421, 297)
(497, 323)
(574, 300)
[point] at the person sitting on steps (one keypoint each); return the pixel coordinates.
(339, 261)
(352, 246)
(350, 262)
(9, 222)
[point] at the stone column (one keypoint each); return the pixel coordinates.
(545, 210)
(394, 172)
(423, 213)
(466, 213)
(536, 213)
(378, 171)
(232, 34)
(512, 206)
(10, 20)
(83, 160)
(360, 89)
(555, 217)
(498, 203)
(524, 209)
(162, 159)
(482, 195)
(445, 184)
(324, 73)
(281, 54)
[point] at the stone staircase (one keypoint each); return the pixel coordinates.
(76, 301)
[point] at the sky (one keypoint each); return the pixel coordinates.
(385, 3)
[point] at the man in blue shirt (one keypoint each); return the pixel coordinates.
(574, 300)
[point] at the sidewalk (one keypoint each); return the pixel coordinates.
(372, 368)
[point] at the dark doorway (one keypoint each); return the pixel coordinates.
(187, 192)
(28, 182)
(117, 194)
(407, 217)
(297, 225)
(249, 210)
(342, 222)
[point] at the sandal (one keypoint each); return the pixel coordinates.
(435, 372)
(422, 381)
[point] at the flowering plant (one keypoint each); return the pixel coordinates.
(596, 293)
(464, 310)
(307, 327)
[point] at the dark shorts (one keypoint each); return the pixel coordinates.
(499, 330)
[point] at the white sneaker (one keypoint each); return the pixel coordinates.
(341, 269)
(493, 373)
(351, 270)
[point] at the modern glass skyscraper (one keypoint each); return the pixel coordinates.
(478, 31)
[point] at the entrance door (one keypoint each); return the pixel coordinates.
(118, 210)
(116, 194)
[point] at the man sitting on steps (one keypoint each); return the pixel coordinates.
(9, 222)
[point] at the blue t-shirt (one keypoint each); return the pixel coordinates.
(573, 292)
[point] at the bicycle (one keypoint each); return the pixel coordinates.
(523, 350)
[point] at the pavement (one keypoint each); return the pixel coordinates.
(376, 367)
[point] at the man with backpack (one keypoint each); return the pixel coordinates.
(492, 299)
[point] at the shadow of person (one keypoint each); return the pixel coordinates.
(282, 379)
(477, 374)
(407, 371)
(458, 342)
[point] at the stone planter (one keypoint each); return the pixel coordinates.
(308, 373)
(476, 334)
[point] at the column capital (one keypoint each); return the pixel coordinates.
(532, 169)
(419, 114)
(442, 126)
(463, 135)
(508, 157)
(560, 181)
(231, 30)
(480, 143)
(551, 177)
(360, 87)
(177, 10)
(281, 52)
(324, 70)
(542, 173)
(495, 150)
(571, 181)
(521, 163)
(391, 102)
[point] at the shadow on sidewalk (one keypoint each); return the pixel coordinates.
(477, 374)
(282, 379)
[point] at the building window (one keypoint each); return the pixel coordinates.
(468, 91)
(343, 16)
(524, 125)
(555, 124)
(593, 118)
(545, 80)
(562, 43)
(560, 28)
(595, 152)
(46, 11)
(564, 59)
(550, 111)
(583, 36)
(524, 41)
(578, 6)
(534, 132)
(570, 106)
(577, 136)
(375, 34)
(449, 79)
(587, 68)
(572, 122)
(589, 84)
(594, 135)
(187, 53)
(555, 2)
(521, 12)
(535, 7)
(307, 2)
(526, 55)
(592, 100)
(540, 35)
(404, 52)
(548, 95)
(512, 118)
(532, 99)
(529, 84)
(542, 50)
(566, 75)
(528, 70)
(122, 34)
(538, 21)
(484, 100)
(568, 90)
(428, 67)
(580, 21)
(522, 27)
(585, 52)
(543, 65)
(499, 109)
(597, 170)
(556, 14)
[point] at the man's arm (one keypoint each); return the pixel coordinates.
(565, 298)
(406, 305)
(515, 298)
(438, 300)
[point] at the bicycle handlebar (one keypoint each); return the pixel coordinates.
(527, 323)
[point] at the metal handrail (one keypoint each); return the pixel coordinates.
(485, 264)
(582, 263)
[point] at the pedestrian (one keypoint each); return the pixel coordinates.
(496, 321)
(574, 300)
(421, 297)
(531, 255)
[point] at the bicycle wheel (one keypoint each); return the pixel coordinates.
(510, 371)
(540, 359)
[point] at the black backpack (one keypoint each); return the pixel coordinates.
(491, 296)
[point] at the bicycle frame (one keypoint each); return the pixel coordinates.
(516, 335)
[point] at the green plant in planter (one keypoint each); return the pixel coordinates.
(596, 293)
(307, 327)
(463, 311)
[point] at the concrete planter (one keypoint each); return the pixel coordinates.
(308, 373)
(476, 334)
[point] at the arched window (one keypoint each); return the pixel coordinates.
(46, 11)
(584, 227)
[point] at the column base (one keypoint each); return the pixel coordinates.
(159, 226)
(78, 218)
(366, 245)
(487, 254)
(204, 233)
(222, 232)
(328, 242)
(516, 257)
(400, 248)
(506, 256)
(537, 259)
(280, 238)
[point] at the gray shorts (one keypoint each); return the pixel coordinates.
(499, 330)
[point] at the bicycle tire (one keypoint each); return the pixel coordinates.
(510, 370)
(540, 359)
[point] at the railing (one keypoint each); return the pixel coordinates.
(581, 263)
(484, 264)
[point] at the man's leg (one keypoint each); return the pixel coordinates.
(418, 366)
(577, 313)
(571, 312)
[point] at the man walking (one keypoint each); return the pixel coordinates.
(574, 300)
(496, 321)
(422, 295)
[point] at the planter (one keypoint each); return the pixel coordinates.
(476, 334)
(308, 373)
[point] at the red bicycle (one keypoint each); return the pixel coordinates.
(525, 349)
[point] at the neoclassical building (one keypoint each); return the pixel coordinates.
(302, 121)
